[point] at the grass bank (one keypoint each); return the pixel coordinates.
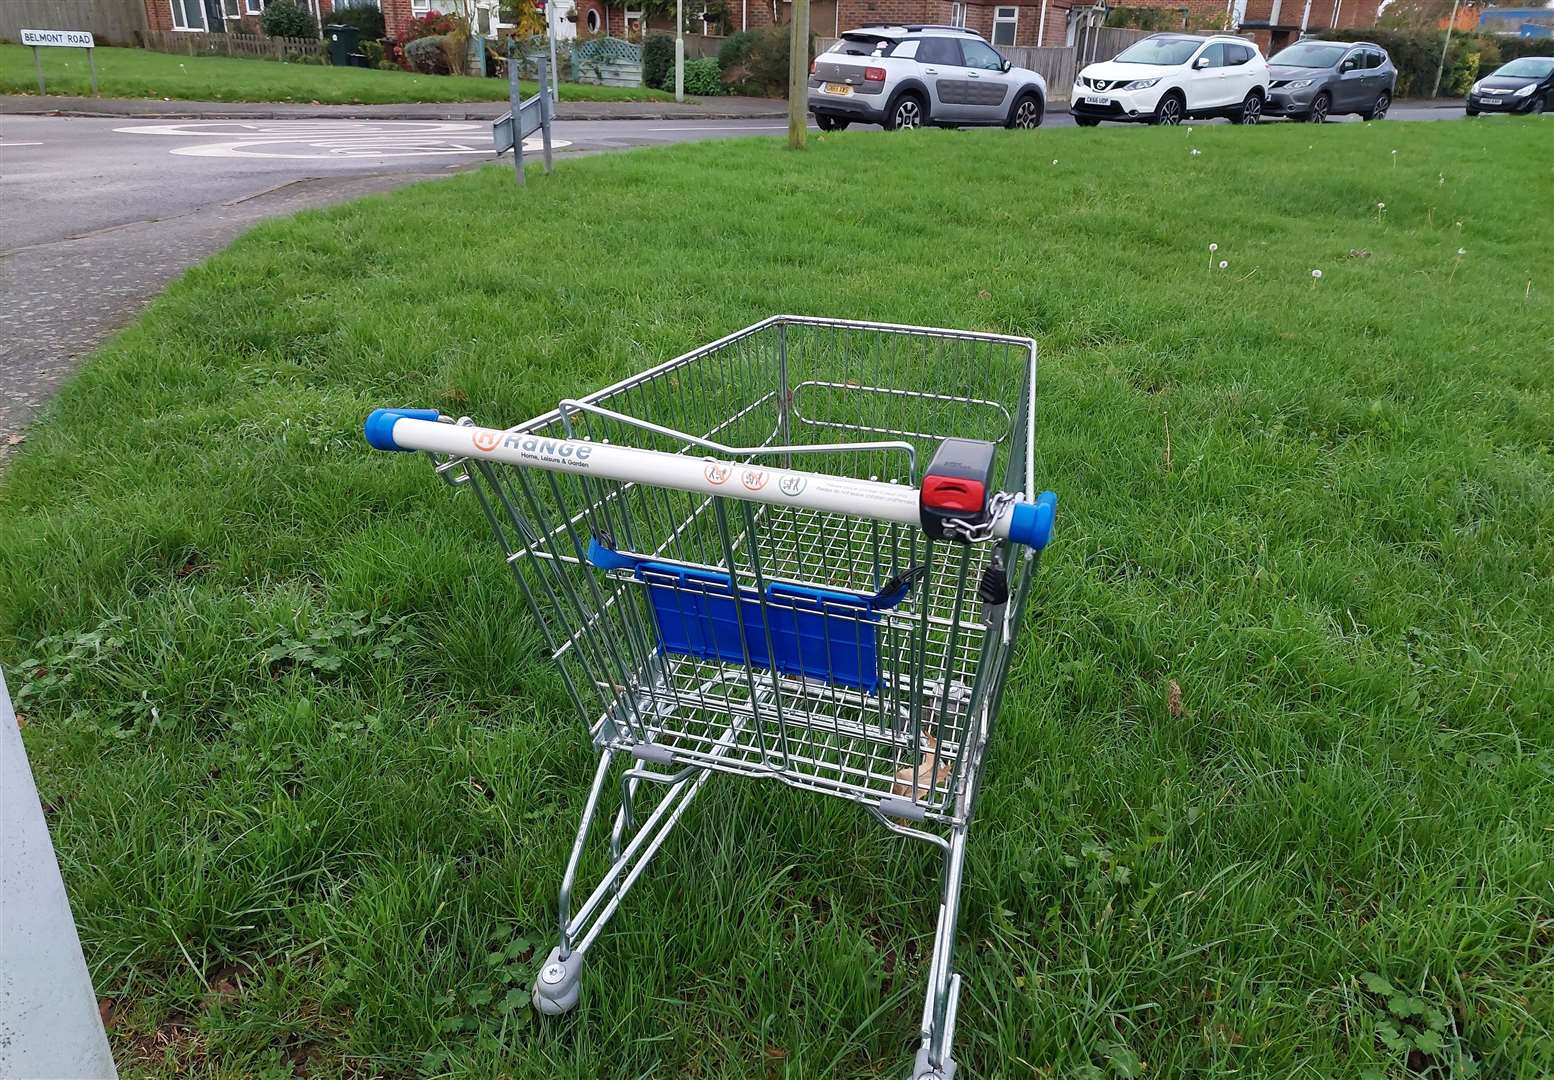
(1281, 728)
(140, 73)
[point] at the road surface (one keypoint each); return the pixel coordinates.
(102, 212)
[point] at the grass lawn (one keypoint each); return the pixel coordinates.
(139, 73)
(306, 769)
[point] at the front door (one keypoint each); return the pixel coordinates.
(987, 87)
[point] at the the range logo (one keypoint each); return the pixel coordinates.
(753, 479)
(717, 474)
(485, 441)
(791, 485)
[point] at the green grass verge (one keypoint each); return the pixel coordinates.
(344, 861)
(139, 73)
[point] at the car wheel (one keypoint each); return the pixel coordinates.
(1169, 110)
(830, 123)
(1086, 121)
(1472, 112)
(1319, 107)
(1026, 113)
(906, 112)
(1539, 105)
(1251, 109)
(1378, 111)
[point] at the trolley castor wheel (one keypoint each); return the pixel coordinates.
(923, 1070)
(555, 988)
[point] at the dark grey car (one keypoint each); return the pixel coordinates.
(1312, 80)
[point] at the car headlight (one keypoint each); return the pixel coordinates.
(1141, 84)
(1524, 91)
(1299, 84)
(1477, 86)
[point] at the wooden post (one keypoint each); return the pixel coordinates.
(798, 75)
(37, 62)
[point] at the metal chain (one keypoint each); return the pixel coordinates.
(977, 532)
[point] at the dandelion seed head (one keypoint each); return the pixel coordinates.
(1213, 247)
(1462, 251)
(1316, 273)
(1223, 264)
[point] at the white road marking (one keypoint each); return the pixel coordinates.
(333, 139)
(7, 142)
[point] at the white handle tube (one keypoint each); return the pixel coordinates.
(404, 429)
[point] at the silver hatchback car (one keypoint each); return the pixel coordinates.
(908, 76)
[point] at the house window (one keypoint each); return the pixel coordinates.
(230, 9)
(957, 14)
(1005, 20)
(421, 6)
(188, 15)
(593, 20)
(253, 7)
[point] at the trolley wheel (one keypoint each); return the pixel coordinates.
(922, 1069)
(555, 987)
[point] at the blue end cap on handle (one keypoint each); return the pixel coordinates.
(379, 427)
(1031, 523)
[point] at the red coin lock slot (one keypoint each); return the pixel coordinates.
(954, 493)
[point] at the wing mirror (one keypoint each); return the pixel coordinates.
(1200, 63)
(1005, 65)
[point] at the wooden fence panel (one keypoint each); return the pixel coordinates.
(251, 46)
(111, 22)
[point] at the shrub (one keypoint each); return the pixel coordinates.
(657, 60)
(428, 55)
(735, 50)
(282, 18)
(373, 51)
(368, 20)
(1145, 18)
(702, 77)
(765, 67)
(429, 25)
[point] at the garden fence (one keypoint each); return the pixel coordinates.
(607, 61)
(246, 45)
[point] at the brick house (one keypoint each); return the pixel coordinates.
(217, 16)
(1273, 24)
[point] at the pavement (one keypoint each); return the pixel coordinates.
(103, 211)
(718, 108)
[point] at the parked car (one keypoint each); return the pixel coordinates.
(908, 76)
(1312, 80)
(1167, 78)
(1525, 85)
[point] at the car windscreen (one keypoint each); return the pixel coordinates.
(1528, 67)
(1310, 55)
(863, 45)
(1166, 51)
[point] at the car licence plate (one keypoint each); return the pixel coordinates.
(841, 89)
(1490, 101)
(1091, 99)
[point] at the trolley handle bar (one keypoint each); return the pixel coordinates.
(1028, 523)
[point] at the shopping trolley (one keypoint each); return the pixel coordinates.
(799, 553)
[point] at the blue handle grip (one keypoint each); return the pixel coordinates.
(1031, 523)
(379, 427)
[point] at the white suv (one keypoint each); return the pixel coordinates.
(1166, 78)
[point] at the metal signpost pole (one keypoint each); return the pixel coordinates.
(91, 62)
(515, 96)
(37, 62)
(550, 32)
(545, 111)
